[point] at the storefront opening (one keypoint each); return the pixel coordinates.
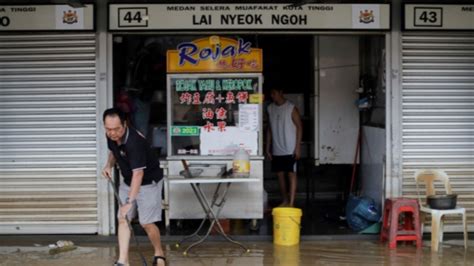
(336, 82)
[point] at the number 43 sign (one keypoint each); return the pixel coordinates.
(133, 17)
(428, 16)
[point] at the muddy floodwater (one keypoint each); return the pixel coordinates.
(351, 252)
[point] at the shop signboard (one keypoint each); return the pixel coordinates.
(46, 18)
(214, 54)
(439, 17)
(249, 16)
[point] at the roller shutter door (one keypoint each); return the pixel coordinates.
(438, 112)
(48, 161)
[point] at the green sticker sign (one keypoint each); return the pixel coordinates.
(184, 131)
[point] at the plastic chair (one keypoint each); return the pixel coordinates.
(428, 177)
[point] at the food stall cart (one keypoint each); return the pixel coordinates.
(214, 106)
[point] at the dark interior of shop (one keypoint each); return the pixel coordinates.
(139, 82)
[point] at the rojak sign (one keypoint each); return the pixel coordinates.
(214, 54)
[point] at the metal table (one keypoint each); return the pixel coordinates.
(211, 208)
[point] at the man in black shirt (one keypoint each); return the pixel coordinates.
(142, 185)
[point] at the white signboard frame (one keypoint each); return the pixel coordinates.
(133, 17)
(47, 18)
(439, 17)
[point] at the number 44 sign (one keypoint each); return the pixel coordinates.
(132, 17)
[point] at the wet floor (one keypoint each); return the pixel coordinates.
(349, 252)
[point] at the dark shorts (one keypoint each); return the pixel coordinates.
(285, 163)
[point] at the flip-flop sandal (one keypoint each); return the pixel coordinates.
(120, 264)
(156, 258)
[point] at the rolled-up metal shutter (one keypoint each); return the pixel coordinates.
(48, 163)
(438, 112)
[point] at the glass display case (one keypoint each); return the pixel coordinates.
(213, 114)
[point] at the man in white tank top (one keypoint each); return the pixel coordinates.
(283, 143)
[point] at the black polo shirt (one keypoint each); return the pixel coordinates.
(133, 154)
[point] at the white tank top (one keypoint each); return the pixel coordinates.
(283, 128)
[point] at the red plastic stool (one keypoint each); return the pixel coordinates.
(395, 229)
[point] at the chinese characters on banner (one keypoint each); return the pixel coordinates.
(214, 96)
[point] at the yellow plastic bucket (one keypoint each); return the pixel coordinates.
(286, 226)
